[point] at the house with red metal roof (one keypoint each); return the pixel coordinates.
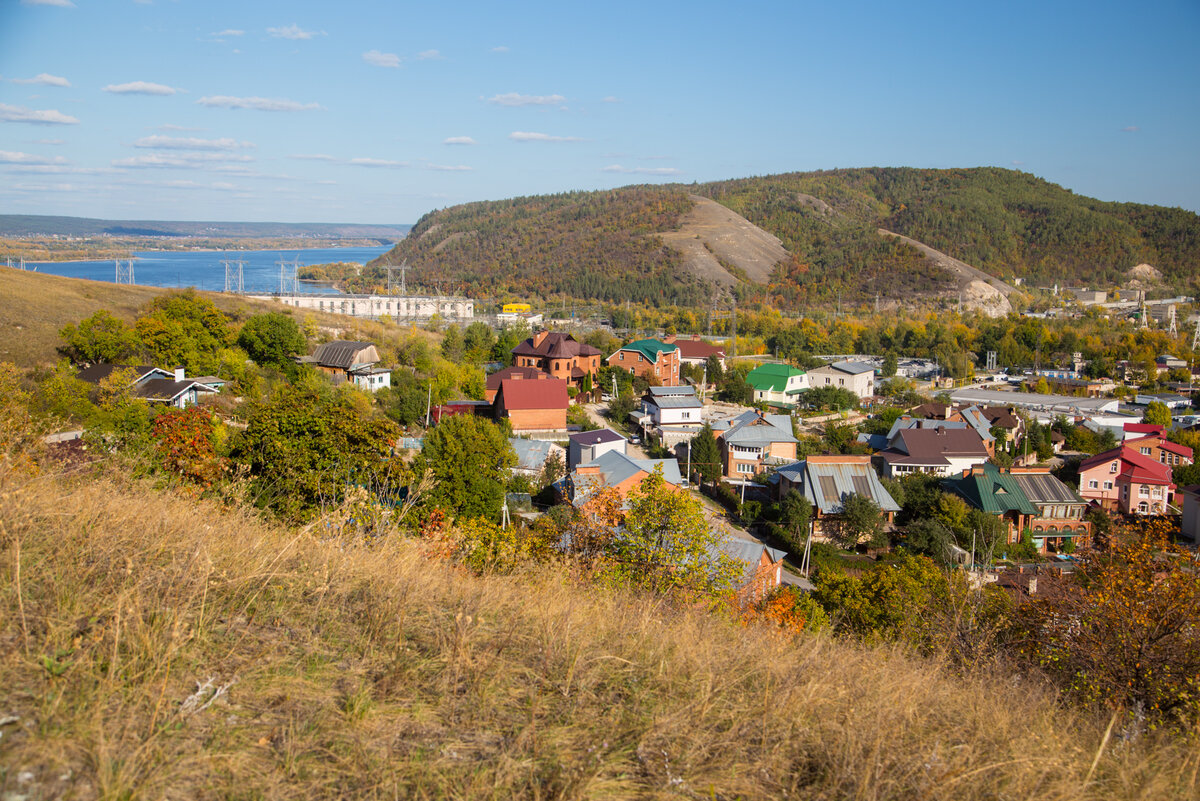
(539, 405)
(1125, 480)
(514, 373)
(694, 350)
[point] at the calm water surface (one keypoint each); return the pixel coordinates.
(203, 270)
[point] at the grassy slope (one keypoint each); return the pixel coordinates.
(375, 673)
(36, 306)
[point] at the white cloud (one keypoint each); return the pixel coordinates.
(190, 143)
(179, 160)
(642, 170)
(449, 167)
(369, 162)
(140, 88)
(314, 157)
(529, 136)
(515, 99)
(43, 79)
(230, 32)
(292, 31)
(499, 49)
(1018, 163)
(427, 55)
(37, 117)
(257, 103)
(459, 140)
(378, 59)
(61, 169)
(1130, 129)
(14, 157)
(59, 3)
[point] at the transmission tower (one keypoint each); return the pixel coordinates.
(288, 283)
(124, 274)
(233, 275)
(403, 285)
(1171, 320)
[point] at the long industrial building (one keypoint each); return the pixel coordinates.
(401, 307)
(1048, 406)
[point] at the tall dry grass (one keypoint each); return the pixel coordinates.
(327, 670)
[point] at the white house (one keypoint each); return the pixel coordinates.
(588, 446)
(777, 384)
(858, 377)
(669, 407)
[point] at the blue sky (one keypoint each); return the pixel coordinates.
(380, 111)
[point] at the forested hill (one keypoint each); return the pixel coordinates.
(603, 245)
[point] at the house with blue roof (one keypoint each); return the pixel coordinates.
(755, 442)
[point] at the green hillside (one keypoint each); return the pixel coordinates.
(601, 245)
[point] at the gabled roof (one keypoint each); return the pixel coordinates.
(681, 390)
(906, 423)
(697, 349)
(931, 411)
(978, 420)
(613, 468)
(1162, 443)
(98, 372)
(520, 394)
(344, 354)
(1134, 466)
(992, 491)
(828, 480)
(940, 443)
(168, 389)
(752, 428)
(1001, 416)
(772, 377)
(850, 368)
(749, 554)
(650, 348)
(676, 402)
(1042, 488)
(598, 437)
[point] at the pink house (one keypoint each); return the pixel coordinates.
(1125, 480)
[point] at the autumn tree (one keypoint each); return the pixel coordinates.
(99, 338)
(861, 521)
(185, 443)
(182, 328)
(271, 340)
(469, 458)
(1158, 414)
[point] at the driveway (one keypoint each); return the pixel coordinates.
(598, 414)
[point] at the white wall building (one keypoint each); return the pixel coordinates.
(858, 377)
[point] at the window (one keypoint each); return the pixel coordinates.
(1145, 451)
(1158, 493)
(1143, 491)
(1112, 468)
(621, 355)
(841, 382)
(745, 468)
(1108, 485)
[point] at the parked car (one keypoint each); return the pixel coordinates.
(635, 440)
(605, 398)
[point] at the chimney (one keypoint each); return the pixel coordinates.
(540, 337)
(695, 337)
(178, 373)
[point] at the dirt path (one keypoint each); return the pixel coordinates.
(710, 231)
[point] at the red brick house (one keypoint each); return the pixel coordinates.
(656, 361)
(560, 355)
(511, 373)
(539, 405)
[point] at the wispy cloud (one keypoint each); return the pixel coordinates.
(530, 136)
(141, 88)
(190, 143)
(448, 167)
(314, 157)
(642, 170)
(459, 140)
(499, 49)
(61, 169)
(1130, 129)
(428, 55)
(182, 128)
(378, 59)
(49, 141)
(385, 163)
(515, 99)
(13, 157)
(34, 116)
(610, 99)
(257, 103)
(293, 31)
(1018, 163)
(43, 79)
(230, 32)
(179, 160)
(59, 3)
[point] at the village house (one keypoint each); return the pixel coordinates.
(694, 350)
(1190, 502)
(560, 355)
(673, 413)
(492, 384)
(1156, 445)
(753, 441)
(153, 384)
(1060, 509)
(777, 384)
(532, 405)
(827, 481)
(614, 469)
(344, 360)
(532, 455)
(762, 568)
(1125, 480)
(935, 447)
(587, 446)
(995, 493)
(655, 361)
(858, 377)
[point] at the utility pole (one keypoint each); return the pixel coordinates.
(689, 463)
(428, 403)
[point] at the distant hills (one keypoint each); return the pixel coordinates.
(800, 239)
(36, 225)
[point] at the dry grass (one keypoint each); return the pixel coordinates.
(37, 305)
(374, 673)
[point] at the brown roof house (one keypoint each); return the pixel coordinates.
(694, 350)
(560, 355)
(343, 360)
(941, 451)
(539, 405)
(513, 373)
(153, 384)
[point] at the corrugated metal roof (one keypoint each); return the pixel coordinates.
(531, 453)
(827, 484)
(1045, 488)
(342, 354)
(682, 390)
(746, 429)
(676, 402)
(991, 491)
(616, 468)
(749, 554)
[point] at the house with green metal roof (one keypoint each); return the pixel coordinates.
(995, 493)
(777, 384)
(657, 361)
